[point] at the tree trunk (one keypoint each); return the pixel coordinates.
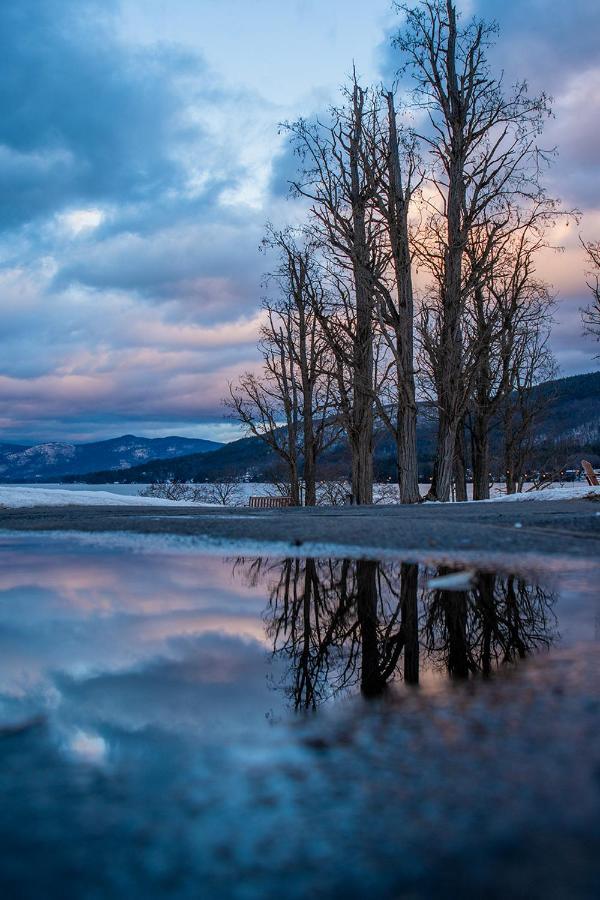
(480, 445)
(294, 483)
(309, 459)
(486, 590)
(406, 449)
(460, 465)
(451, 340)
(362, 463)
(509, 455)
(455, 603)
(409, 575)
(362, 411)
(444, 461)
(511, 480)
(406, 433)
(310, 479)
(371, 682)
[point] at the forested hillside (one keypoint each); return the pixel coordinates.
(571, 427)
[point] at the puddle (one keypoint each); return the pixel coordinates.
(238, 722)
(198, 515)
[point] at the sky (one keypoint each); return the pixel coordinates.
(141, 156)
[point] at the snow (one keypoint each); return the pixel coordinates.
(18, 496)
(21, 496)
(558, 492)
(49, 453)
(456, 581)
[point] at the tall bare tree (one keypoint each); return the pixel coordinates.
(508, 310)
(289, 405)
(302, 300)
(395, 179)
(266, 404)
(526, 407)
(483, 149)
(335, 177)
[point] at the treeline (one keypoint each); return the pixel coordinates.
(414, 274)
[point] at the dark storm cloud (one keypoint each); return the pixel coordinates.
(547, 40)
(91, 122)
(541, 40)
(83, 121)
(115, 172)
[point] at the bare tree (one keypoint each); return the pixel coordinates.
(483, 149)
(290, 406)
(335, 178)
(300, 305)
(344, 625)
(227, 491)
(266, 405)
(526, 406)
(334, 491)
(509, 308)
(396, 180)
(591, 314)
(339, 342)
(167, 490)
(497, 621)
(341, 625)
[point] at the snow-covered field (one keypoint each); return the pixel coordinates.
(558, 492)
(128, 495)
(17, 496)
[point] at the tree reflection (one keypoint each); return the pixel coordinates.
(499, 620)
(343, 625)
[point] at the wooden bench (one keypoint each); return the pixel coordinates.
(269, 502)
(592, 478)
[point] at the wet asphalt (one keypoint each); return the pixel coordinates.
(567, 530)
(489, 788)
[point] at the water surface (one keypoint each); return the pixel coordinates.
(313, 727)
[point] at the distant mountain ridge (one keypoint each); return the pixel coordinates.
(571, 427)
(55, 459)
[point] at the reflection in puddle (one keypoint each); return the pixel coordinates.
(343, 625)
(148, 745)
(92, 637)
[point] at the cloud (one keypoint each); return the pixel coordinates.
(544, 41)
(209, 681)
(136, 182)
(212, 269)
(85, 119)
(130, 279)
(553, 47)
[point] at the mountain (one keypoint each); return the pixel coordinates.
(251, 458)
(53, 460)
(570, 429)
(234, 458)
